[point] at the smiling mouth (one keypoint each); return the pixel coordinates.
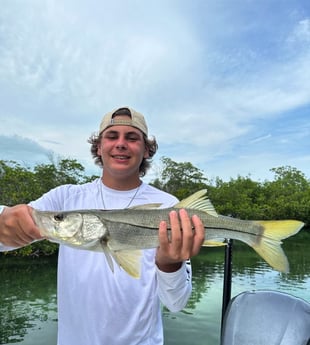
(120, 157)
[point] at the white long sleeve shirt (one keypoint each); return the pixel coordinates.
(96, 306)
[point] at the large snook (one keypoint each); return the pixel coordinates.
(121, 234)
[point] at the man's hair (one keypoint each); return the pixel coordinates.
(150, 144)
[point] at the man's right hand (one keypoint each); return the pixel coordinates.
(17, 228)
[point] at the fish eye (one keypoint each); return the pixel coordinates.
(59, 217)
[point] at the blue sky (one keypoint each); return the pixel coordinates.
(224, 84)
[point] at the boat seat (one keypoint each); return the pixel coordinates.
(266, 317)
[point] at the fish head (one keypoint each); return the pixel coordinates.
(58, 224)
(80, 229)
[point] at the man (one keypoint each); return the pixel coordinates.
(95, 305)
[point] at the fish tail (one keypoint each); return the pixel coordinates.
(269, 246)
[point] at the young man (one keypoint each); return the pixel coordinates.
(96, 306)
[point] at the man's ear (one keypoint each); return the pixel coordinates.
(146, 153)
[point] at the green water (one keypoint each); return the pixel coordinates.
(28, 313)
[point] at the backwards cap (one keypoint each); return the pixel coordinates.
(136, 120)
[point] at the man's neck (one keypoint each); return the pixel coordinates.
(121, 184)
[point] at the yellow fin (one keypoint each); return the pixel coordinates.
(198, 201)
(130, 261)
(214, 243)
(269, 247)
(281, 229)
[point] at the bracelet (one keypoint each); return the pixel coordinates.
(2, 207)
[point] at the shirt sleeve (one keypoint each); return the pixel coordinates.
(4, 248)
(174, 289)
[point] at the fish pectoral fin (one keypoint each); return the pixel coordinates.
(130, 261)
(108, 254)
(198, 201)
(146, 206)
(214, 243)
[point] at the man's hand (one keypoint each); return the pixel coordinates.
(187, 236)
(17, 228)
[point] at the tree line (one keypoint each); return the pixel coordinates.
(287, 196)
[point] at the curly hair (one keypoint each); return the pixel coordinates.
(150, 144)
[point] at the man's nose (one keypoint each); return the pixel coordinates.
(121, 144)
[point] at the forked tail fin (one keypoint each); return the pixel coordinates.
(269, 247)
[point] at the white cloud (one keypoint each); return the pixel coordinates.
(301, 33)
(208, 89)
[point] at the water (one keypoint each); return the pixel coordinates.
(28, 301)
(28, 310)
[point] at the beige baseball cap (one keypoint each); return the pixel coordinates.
(112, 119)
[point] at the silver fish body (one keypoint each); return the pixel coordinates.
(133, 229)
(117, 232)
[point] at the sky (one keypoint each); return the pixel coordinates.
(223, 84)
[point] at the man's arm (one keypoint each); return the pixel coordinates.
(172, 258)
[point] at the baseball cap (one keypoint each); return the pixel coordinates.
(136, 120)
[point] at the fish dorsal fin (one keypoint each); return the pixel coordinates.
(198, 201)
(145, 206)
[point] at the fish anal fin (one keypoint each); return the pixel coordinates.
(130, 261)
(214, 243)
(198, 201)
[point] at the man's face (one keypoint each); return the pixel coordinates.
(122, 150)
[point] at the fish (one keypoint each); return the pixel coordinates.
(122, 234)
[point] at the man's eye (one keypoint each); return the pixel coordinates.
(132, 138)
(111, 137)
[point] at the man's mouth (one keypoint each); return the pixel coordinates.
(120, 157)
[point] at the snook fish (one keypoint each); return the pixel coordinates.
(121, 234)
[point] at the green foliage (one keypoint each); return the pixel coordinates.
(20, 185)
(288, 194)
(179, 179)
(239, 198)
(17, 184)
